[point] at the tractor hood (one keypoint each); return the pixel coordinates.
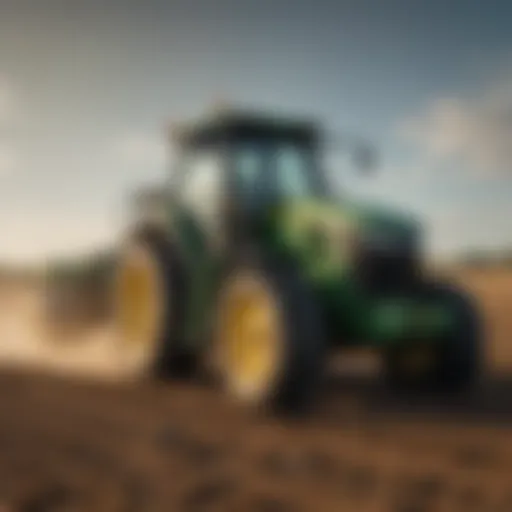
(347, 226)
(385, 228)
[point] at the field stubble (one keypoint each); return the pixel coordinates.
(87, 445)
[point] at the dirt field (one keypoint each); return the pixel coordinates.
(70, 444)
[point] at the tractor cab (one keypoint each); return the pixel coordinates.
(258, 155)
(233, 167)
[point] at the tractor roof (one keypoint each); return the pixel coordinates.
(245, 124)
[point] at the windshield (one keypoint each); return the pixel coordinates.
(293, 170)
(282, 169)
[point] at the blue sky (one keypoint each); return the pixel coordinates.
(86, 88)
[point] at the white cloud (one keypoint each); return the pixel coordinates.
(139, 149)
(475, 134)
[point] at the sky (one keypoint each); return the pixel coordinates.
(87, 88)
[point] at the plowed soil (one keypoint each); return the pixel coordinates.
(72, 444)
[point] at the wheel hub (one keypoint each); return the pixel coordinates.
(250, 338)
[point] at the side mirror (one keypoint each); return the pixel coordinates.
(360, 153)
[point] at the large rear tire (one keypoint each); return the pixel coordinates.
(269, 342)
(150, 300)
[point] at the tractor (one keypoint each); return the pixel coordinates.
(250, 267)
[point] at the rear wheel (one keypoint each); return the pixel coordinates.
(269, 342)
(450, 364)
(149, 299)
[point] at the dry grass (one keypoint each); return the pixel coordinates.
(492, 288)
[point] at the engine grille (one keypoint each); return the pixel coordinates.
(382, 271)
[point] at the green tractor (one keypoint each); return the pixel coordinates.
(249, 266)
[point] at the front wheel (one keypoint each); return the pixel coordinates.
(450, 364)
(269, 341)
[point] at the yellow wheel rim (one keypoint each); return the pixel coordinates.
(250, 337)
(137, 302)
